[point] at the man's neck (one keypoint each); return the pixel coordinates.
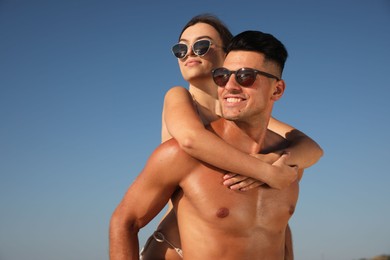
(231, 133)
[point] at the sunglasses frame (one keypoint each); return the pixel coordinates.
(193, 48)
(254, 72)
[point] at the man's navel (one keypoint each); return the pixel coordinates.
(222, 212)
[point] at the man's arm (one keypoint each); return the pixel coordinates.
(145, 198)
(288, 245)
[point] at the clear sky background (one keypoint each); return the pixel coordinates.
(81, 90)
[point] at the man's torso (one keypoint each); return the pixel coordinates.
(216, 222)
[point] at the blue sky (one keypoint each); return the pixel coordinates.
(81, 90)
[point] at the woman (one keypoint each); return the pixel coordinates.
(201, 48)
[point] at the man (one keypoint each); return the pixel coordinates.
(216, 222)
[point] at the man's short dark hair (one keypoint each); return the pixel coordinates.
(264, 43)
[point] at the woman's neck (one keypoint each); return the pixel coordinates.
(207, 97)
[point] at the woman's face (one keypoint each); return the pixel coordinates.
(195, 67)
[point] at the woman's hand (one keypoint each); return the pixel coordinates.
(283, 175)
(239, 182)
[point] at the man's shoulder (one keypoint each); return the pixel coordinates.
(170, 154)
(169, 163)
(274, 142)
(169, 148)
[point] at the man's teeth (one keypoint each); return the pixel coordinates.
(233, 100)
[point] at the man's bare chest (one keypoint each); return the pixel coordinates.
(205, 196)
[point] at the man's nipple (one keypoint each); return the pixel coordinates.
(222, 212)
(291, 210)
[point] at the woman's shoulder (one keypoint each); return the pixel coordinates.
(177, 90)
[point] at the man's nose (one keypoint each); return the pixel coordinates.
(232, 83)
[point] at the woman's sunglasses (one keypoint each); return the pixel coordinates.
(244, 76)
(200, 48)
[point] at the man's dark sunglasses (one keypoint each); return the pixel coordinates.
(200, 48)
(244, 76)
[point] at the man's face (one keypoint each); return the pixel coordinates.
(192, 66)
(253, 103)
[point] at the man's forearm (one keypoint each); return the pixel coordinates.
(124, 247)
(123, 241)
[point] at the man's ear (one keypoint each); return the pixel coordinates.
(279, 88)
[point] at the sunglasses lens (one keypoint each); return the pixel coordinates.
(221, 76)
(245, 77)
(180, 50)
(201, 47)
